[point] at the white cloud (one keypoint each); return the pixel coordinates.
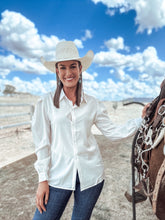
(113, 3)
(110, 12)
(78, 43)
(35, 86)
(86, 76)
(19, 36)
(137, 48)
(104, 90)
(88, 35)
(146, 62)
(11, 63)
(111, 90)
(116, 44)
(149, 14)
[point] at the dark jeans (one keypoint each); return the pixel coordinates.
(84, 202)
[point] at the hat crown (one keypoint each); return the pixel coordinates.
(66, 50)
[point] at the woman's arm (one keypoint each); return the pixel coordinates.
(111, 130)
(41, 136)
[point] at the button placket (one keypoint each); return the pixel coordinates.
(74, 144)
(74, 130)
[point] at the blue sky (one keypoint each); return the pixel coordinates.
(127, 38)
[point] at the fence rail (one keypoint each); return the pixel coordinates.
(30, 113)
(15, 115)
(15, 104)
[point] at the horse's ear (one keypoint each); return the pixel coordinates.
(162, 92)
(162, 84)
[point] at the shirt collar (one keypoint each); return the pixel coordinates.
(83, 96)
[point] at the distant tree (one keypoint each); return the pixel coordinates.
(9, 90)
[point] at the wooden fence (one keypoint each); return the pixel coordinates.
(3, 116)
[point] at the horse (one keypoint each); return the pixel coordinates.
(156, 161)
(148, 155)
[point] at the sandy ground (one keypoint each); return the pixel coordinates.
(18, 179)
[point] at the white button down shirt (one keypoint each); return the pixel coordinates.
(65, 144)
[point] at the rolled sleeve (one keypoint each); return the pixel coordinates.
(111, 130)
(41, 138)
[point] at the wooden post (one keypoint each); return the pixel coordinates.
(31, 111)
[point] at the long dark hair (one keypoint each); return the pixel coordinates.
(60, 86)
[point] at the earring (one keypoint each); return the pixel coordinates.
(59, 82)
(79, 81)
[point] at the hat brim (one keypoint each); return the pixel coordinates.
(85, 62)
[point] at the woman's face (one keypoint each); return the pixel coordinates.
(69, 73)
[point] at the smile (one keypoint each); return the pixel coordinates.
(69, 79)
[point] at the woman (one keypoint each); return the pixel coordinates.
(68, 157)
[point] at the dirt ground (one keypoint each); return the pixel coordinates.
(18, 179)
(19, 182)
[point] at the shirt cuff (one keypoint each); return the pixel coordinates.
(42, 177)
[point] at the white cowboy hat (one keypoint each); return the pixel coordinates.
(65, 51)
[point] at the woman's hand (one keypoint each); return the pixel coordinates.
(144, 110)
(42, 196)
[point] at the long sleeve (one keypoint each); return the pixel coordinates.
(41, 137)
(112, 131)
